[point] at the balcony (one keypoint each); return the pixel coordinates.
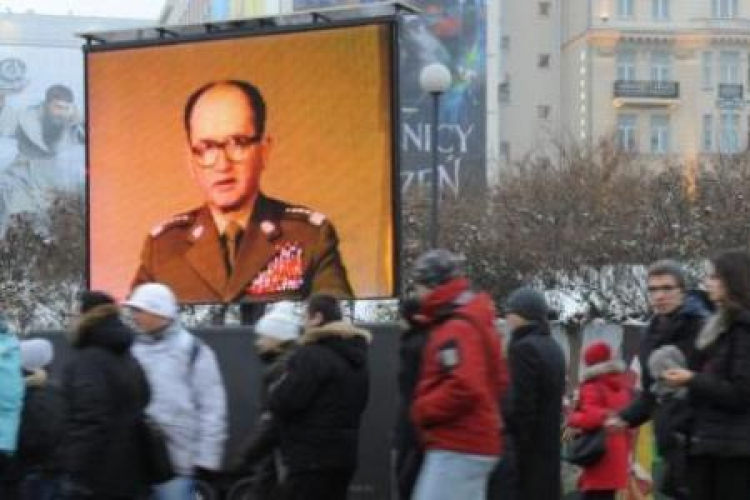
(730, 96)
(730, 91)
(645, 93)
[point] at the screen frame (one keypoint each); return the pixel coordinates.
(390, 22)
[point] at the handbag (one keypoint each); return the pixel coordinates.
(587, 448)
(156, 463)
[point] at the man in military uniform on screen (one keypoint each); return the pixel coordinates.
(241, 244)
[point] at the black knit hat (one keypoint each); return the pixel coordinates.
(527, 303)
(435, 267)
(90, 299)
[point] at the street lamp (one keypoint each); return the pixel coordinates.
(435, 79)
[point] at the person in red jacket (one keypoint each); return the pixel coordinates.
(456, 404)
(604, 392)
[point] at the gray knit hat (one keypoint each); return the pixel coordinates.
(282, 322)
(527, 303)
(435, 267)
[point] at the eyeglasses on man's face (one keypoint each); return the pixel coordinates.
(236, 148)
(664, 289)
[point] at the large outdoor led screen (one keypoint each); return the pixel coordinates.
(244, 169)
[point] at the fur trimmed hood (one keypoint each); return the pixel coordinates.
(720, 323)
(342, 337)
(101, 326)
(335, 329)
(599, 369)
(715, 327)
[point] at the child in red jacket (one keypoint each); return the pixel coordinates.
(604, 391)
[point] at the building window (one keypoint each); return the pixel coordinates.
(724, 9)
(544, 60)
(661, 66)
(543, 111)
(626, 132)
(625, 8)
(626, 65)
(729, 67)
(660, 134)
(708, 134)
(729, 134)
(544, 9)
(708, 69)
(660, 10)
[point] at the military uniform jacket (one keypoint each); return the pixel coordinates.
(286, 252)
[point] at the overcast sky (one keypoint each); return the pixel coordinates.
(142, 9)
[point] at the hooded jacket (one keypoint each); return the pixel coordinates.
(680, 330)
(604, 391)
(11, 389)
(189, 402)
(42, 425)
(719, 392)
(464, 375)
(106, 393)
(318, 402)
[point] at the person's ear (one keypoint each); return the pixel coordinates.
(266, 145)
(317, 319)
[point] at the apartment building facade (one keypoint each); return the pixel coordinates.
(666, 78)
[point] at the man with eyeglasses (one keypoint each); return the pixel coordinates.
(241, 244)
(678, 317)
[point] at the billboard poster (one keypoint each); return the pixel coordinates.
(453, 33)
(42, 160)
(254, 168)
(42, 166)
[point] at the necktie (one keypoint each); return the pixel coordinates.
(232, 235)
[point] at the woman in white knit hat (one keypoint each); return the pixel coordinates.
(276, 337)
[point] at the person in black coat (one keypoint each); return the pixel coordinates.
(678, 317)
(106, 393)
(276, 334)
(42, 423)
(718, 388)
(409, 452)
(318, 404)
(533, 405)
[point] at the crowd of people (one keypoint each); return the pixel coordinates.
(480, 416)
(469, 428)
(140, 410)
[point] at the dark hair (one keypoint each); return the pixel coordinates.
(251, 92)
(327, 305)
(732, 267)
(58, 92)
(668, 267)
(88, 300)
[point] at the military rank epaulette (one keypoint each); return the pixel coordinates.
(176, 221)
(314, 218)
